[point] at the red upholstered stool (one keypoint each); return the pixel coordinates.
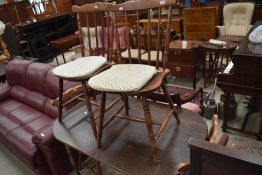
(65, 43)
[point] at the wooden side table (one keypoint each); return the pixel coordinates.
(184, 61)
(214, 58)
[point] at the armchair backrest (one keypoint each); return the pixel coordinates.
(237, 18)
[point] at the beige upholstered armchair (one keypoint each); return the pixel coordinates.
(237, 19)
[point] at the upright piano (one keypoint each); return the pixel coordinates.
(242, 76)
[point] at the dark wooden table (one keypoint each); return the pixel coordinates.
(125, 145)
(184, 61)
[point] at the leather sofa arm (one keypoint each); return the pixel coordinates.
(5, 91)
(43, 136)
(53, 151)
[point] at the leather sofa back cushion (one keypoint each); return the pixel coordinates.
(35, 77)
(35, 100)
(15, 72)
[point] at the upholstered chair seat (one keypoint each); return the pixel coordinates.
(123, 78)
(237, 19)
(81, 67)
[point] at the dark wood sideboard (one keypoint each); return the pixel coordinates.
(39, 34)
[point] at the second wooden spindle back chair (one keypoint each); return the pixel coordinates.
(137, 79)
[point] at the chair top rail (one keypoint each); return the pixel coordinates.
(94, 7)
(144, 4)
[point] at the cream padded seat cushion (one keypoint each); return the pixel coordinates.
(123, 78)
(153, 56)
(134, 53)
(80, 67)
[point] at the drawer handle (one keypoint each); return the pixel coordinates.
(178, 69)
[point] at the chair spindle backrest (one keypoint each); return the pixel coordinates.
(97, 37)
(156, 38)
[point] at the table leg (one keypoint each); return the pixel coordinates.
(226, 104)
(72, 159)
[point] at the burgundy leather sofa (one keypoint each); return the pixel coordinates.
(27, 117)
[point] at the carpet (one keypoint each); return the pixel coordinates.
(184, 92)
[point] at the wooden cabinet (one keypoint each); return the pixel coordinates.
(200, 23)
(184, 61)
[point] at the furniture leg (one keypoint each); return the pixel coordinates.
(63, 55)
(194, 78)
(72, 159)
(60, 105)
(126, 104)
(151, 135)
(101, 119)
(246, 119)
(98, 166)
(226, 104)
(170, 102)
(56, 60)
(89, 109)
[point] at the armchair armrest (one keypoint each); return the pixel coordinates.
(5, 91)
(221, 30)
(183, 167)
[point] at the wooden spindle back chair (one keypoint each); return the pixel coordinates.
(136, 79)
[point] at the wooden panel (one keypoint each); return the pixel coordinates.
(200, 23)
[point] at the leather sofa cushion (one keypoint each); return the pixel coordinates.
(34, 100)
(15, 72)
(18, 123)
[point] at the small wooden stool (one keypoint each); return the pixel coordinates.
(64, 44)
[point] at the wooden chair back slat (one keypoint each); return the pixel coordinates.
(128, 36)
(167, 39)
(96, 33)
(88, 33)
(158, 38)
(138, 29)
(149, 37)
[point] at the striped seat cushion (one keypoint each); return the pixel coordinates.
(80, 67)
(123, 78)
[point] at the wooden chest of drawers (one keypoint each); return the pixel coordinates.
(184, 61)
(200, 23)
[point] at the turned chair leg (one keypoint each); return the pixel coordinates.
(151, 135)
(125, 98)
(98, 167)
(60, 105)
(169, 100)
(101, 119)
(72, 159)
(89, 109)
